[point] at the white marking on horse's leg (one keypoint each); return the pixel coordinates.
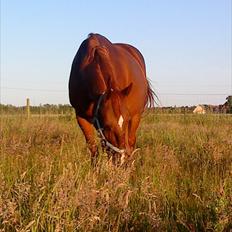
(120, 121)
(122, 158)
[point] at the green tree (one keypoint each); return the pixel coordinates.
(229, 104)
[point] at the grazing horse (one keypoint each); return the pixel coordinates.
(109, 90)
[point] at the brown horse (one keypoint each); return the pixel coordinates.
(109, 90)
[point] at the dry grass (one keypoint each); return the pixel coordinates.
(181, 179)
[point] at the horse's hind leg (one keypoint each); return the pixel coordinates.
(88, 131)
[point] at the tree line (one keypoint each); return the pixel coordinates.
(67, 109)
(41, 109)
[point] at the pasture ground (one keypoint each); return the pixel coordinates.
(181, 179)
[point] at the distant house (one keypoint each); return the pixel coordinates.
(199, 110)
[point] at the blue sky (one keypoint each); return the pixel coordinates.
(186, 45)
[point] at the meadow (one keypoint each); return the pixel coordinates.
(181, 179)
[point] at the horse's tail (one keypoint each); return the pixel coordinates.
(151, 96)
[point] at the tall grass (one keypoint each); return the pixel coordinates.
(181, 179)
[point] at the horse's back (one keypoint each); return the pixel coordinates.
(135, 53)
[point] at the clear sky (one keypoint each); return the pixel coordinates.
(186, 45)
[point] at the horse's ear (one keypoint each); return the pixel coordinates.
(126, 91)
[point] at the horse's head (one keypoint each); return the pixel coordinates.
(113, 118)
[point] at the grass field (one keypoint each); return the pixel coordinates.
(181, 179)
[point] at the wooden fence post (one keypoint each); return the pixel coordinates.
(28, 108)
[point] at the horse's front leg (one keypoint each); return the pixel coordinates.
(133, 126)
(88, 131)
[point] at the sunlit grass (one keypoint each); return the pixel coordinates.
(181, 179)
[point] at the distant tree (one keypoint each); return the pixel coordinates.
(229, 104)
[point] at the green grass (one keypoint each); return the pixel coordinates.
(181, 179)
